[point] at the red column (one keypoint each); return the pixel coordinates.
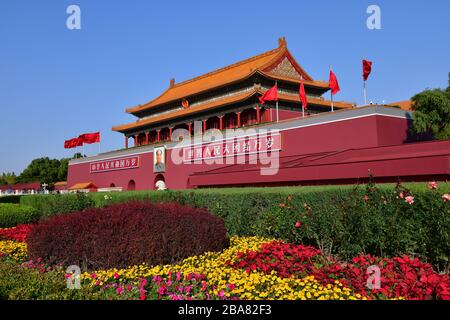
(190, 128)
(221, 122)
(136, 140)
(126, 142)
(204, 125)
(146, 138)
(170, 133)
(258, 120)
(238, 119)
(158, 135)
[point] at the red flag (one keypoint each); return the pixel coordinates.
(270, 95)
(302, 94)
(90, 137)
(333, 83)
(73, 143)
(367, 68)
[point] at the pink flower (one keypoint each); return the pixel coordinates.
(116, 275)
(161, 290)
(282, 205)
(119, 290)
(142, 297)
(129, 287)
(298, 224)
(401, 195)
(68, 275)
(178, 276)
(231, 286)
(446, 197)
(366, 198)
(432, 185)
(409, 199)
(203, 285)
(94, 276)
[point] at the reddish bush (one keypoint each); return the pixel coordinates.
(127, 234)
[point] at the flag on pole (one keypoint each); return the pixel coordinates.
(270, 95)
(302, 95)
(73, 143)
(333, 83)
(90, 138)
(367, 68)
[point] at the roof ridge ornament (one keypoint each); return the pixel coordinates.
(282, 42)
(172, 82)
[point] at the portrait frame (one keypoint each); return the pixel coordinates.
(159, 159)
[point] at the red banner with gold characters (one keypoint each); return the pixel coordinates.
(233, 147)
(115, 164)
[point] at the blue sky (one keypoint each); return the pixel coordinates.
(56, 83)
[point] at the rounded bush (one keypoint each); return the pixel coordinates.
(127, 234)
(12, 215)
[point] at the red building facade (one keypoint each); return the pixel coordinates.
(172, 136)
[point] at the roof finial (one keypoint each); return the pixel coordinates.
(172, 82)
(282, 42)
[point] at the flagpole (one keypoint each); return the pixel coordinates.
(277, 110)
(331, 94)
(303, 107)
(365, 94)
(365, 89)
(276, 104)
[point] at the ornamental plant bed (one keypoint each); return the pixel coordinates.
(399, 277)
(126, 234)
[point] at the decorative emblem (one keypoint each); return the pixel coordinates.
(185, 104)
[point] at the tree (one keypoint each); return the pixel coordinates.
(8, 178)
(45, 170)
(432, 113)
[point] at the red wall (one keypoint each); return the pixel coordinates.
(364, 132)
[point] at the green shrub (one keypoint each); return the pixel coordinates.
(13, 214)
(336, 219)
(50, 205)
(10, 199)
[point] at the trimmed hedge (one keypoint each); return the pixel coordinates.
(13, 214)
(50, 205)
(10, 199)
(337, 219)
(127, 234)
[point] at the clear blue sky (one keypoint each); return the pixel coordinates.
(56, 83)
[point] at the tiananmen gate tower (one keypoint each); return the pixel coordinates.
(212, 131)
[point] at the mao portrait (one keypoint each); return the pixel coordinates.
(159, 159)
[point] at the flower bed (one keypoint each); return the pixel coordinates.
(19, 233)
(13, 249)
(400, 276)
(251, 268)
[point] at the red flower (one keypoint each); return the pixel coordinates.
(298, 224)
